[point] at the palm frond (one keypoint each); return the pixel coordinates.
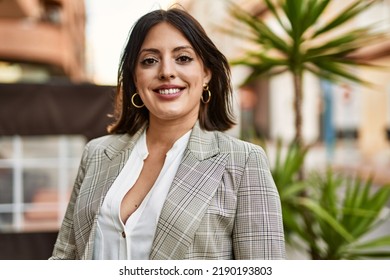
(375, 243)
(357, 213)
(262, 32)
(348, 13)
(302, 14)
(274, 10)
(334, 71)
(370, 255)
(315, 10)
(325, 216)
(345, 43)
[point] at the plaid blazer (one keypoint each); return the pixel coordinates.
(222, 204)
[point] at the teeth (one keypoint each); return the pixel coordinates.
(168, 91)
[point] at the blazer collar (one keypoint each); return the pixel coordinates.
(203, 144)
(123, 143)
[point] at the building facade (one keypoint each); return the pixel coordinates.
(42, 40)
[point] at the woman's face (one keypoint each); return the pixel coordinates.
(169, 75)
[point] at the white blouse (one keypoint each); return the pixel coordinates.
(133, 240)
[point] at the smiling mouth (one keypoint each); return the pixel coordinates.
(169, 91)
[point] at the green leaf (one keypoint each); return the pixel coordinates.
(273, 10)
(322, 214)
(345, 15)
(292, 191)
(336, 70)
(262, 32)
(362, 206)
(347, 42)
(378, 242)
(293, 11)
(371, 255)
(315, 9)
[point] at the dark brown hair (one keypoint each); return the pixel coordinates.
(215, 115)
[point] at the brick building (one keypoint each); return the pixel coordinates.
(42, 40)
(48, 110)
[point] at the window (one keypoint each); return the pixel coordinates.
(52, 11)
(36, 177)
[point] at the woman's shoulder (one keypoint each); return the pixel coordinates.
(229, 143)
(243, 153)
(104, 141)
(107, 141)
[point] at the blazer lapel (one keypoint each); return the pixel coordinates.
(109, 166)
(193, 187)
(117, 153)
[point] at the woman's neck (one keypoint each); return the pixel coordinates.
(163, 134)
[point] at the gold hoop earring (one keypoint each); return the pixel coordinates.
(206, 89)
(135, 105)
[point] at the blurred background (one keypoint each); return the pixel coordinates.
(58, 66)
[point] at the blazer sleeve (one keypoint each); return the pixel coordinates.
(65, 246)
(258, 229)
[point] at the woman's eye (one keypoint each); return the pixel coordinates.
(184, 58)
(149, 61)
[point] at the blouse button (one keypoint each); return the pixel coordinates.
(123, 234)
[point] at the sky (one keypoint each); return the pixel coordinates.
(107, 28)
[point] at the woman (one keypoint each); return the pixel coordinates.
(167, 183)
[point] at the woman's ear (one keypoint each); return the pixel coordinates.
(207, 76)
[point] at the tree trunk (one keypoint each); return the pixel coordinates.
(298, 97)
(298, 91)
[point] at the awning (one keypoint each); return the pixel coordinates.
(52, 109)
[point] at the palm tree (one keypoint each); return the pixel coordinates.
(313, 43)
(310, 43)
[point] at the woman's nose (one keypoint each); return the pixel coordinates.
(167, 70)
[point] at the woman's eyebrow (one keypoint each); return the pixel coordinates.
(176, 49)
(150, 50)
(180, 48)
